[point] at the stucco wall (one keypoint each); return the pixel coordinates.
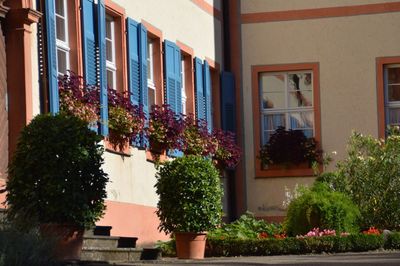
(346, 49)
(180, 20)
(255, 6)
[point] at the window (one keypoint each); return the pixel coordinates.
(62, 45)
(287, 101)
(284, 95)
(150, 72)
(183, 75)
(392, 94)
(110, 53)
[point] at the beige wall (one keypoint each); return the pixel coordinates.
(256, 6)
(180, 20)
(346, 49)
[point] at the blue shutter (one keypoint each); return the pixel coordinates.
(143, 68)
(228, 112)
(133, 60)
(143, 91)
(207, 95)
(52, 56)
(101, 33)
(172, 61)
(88, 41)
(200, 107)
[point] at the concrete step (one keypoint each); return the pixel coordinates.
(100, 241)
(111, 254)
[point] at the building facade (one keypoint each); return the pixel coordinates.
(323, 67)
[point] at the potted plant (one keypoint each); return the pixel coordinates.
(226, 153)
(288, 148)
(78, 99)
(125, 120)
(165, 128)
(189, 203)
(195, 138)
(56, 180)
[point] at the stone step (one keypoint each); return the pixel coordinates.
(100, 241)
(111, 254)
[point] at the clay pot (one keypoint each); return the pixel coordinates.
(190, 245)
(68, 240)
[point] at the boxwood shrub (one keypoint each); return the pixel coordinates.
(292, 245)
(392, 241)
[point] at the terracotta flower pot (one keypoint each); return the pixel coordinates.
(68, 240)
(190, 245)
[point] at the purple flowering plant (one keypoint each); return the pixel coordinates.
(165, 128)
(79, 99)
(226, 152)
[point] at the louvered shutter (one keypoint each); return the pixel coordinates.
(200, 105)
(102, 71)
(143, 68)
(89, 42)
(133, 60)
(52, 57)
(172, 63)
(207, 95)
(228, 111)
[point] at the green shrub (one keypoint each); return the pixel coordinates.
(190, 195)
(20, 249)
(246, 227)
(292, 245)
(320, 207)
(371, 177)
(56, 174)
(392, 241)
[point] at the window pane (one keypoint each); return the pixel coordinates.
(273, 121)
(393, 75)
(110, 79)
(300, 81)
(394, 93)
(61, 61)
(272, 83)
(301, 120)
(152, 97)
(60, 7)
(149, 59)
(109, 54)
(60, 29)
(394, 116)
(300, 98)
(108, 29)
(274, 100)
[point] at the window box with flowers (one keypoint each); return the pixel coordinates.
(125, 120)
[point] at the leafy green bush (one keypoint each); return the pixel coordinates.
(246, 227)
(292, 245)
(320, 207)
(371, 177)
(190, 195)
(392, 241)
(20, 249)
(55, 175)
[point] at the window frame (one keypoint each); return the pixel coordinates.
(301, 170)
(381, 63)
(111, 66)
(61, 45)
(188, 78)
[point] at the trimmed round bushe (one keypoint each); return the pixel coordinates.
(55, 176)
(190, 195)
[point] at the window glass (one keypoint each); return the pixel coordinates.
(183, 75)
(150, 61)
(62, 44)
(287, 101)
(62, 61)
(110, 53)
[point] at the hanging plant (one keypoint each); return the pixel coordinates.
(289, 147)
(125, 120)
(226, 152)
(165, 129)
(79, 99)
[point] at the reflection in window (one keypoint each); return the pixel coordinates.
(392, 94)
(287, 100)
